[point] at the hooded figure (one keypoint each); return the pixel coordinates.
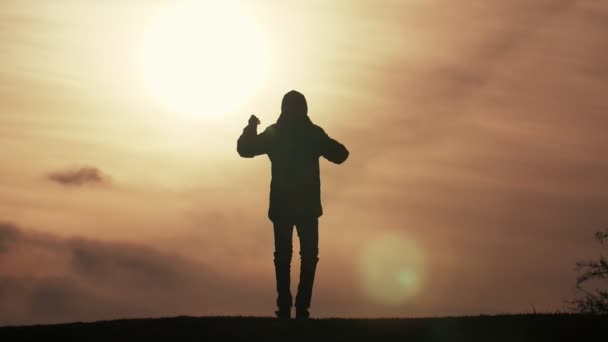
(294, 145)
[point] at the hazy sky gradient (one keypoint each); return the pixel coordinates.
(476, 131)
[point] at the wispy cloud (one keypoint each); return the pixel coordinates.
(79, 177)
(87, 279)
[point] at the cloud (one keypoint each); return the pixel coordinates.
(79, 177)
(8, 234)
(85, 279)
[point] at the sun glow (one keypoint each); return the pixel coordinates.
(203, 59)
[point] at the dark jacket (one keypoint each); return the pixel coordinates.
(294, 145)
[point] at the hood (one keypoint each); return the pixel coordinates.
(294, 109)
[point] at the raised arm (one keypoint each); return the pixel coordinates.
(332, 150)
(250, 143)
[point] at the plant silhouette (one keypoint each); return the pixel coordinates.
(594, 301)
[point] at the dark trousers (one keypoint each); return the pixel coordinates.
(308, 232)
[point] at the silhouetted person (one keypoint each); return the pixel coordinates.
(294, 145)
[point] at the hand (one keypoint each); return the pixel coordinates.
(254, 121)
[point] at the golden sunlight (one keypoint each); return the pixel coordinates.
(203, 59)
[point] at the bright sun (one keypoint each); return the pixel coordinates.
(203, 59)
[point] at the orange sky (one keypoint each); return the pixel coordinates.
(477, 139)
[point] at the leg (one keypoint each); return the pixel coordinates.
(283, 232)
(308, 232)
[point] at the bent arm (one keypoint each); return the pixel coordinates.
(332, 150)
(250, 144)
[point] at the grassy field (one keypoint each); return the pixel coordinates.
(562, 327)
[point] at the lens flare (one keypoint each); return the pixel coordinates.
(392, 269)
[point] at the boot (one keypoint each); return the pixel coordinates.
(308, 268)
(282, 269)
(283, 313)
(302, 314)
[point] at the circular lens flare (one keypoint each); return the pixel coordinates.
(392, 269)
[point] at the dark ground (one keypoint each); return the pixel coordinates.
(562, 327)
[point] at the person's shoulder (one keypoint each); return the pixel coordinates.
(317, 129)
(271, 128)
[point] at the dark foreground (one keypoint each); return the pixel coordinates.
(482, 328)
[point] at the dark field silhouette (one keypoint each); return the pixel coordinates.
(562, 327)
(294, 146)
